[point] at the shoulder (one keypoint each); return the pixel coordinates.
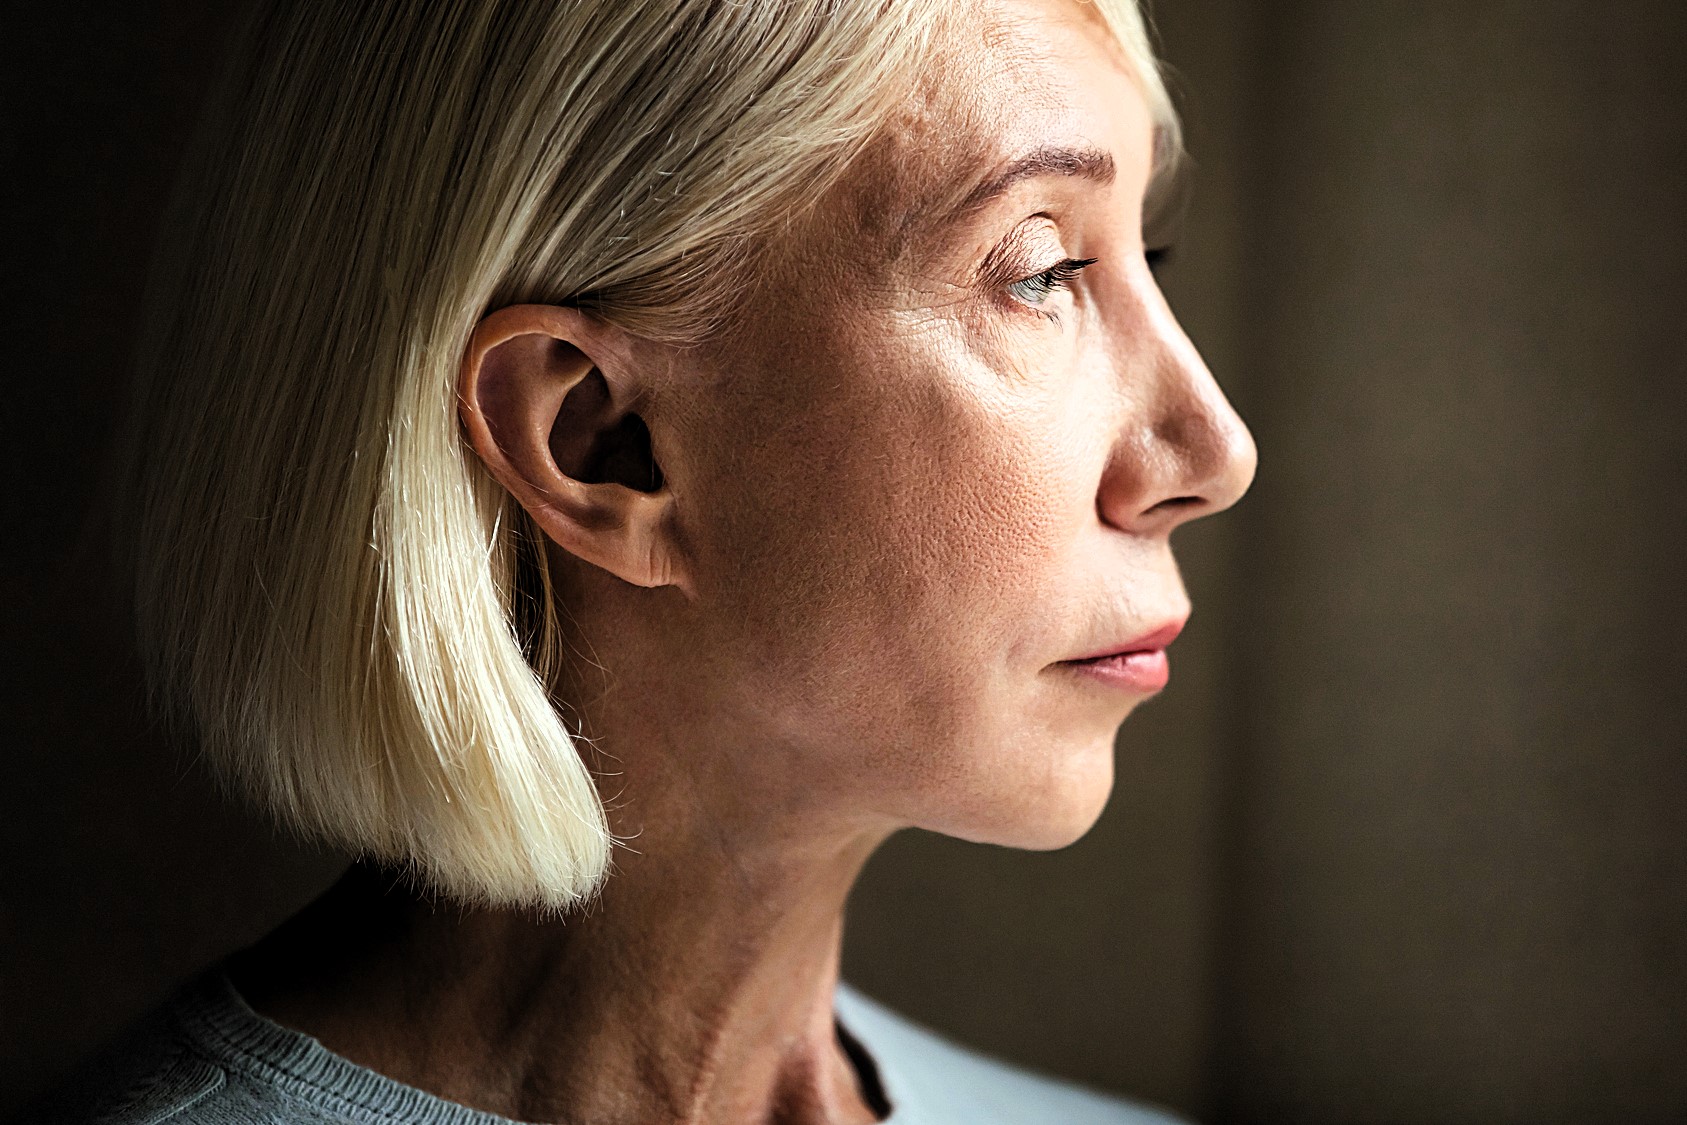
(156, 1073)
(148, 1078)
(933, 1081)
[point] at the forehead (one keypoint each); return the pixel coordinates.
(1014, 85)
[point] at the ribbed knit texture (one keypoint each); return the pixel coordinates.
(294, 1064)
(207, 1058)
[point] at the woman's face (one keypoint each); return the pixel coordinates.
(938, 464)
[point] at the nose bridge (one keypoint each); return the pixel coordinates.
(1192, 453)
(1197, 423)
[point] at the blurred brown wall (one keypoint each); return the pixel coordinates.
(1457, 880)
(1403, 841)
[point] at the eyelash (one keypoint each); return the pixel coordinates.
(1039, 287)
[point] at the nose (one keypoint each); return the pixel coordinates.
(1181, 452)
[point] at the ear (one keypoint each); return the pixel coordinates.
(545, 398)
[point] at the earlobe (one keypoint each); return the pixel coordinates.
(535, 386)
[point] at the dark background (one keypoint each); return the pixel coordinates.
(1404, 841)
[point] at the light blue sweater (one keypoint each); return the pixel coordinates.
(207, 1058)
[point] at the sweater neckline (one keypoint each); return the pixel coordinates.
(218, 1017)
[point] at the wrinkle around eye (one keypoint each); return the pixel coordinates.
(1029, 246)
(914, 322)
(1018, 346)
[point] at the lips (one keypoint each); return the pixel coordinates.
(1138, 665)
(1148, 642)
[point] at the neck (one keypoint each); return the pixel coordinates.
(697, 988)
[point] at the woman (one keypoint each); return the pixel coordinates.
(610, 466)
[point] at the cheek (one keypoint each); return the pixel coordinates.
(896, 545)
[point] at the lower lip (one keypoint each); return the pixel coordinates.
(1147, 671)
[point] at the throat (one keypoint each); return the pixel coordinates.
(651, 1004)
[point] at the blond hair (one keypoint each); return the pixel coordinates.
(351, 614)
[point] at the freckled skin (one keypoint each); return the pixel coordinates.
(897, 495)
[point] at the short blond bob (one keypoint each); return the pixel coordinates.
(349, 614)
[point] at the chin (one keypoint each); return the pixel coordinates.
(1050, 807)
(1065, 824)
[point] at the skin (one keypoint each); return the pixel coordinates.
(895, 500)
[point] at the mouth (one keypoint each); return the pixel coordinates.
(1138, 665)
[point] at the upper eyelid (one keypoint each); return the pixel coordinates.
(1001, 267)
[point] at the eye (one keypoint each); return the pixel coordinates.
(1039, 287)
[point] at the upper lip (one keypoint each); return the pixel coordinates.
(1147, 642)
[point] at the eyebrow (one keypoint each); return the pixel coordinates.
(1053, 160)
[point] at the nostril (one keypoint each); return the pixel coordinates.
(1176, 504)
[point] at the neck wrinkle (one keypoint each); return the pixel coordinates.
(695, 991)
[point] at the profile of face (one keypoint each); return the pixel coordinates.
(930, 468)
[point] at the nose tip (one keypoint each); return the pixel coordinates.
(1217, 449)
(1191, 457)
(1210, 459)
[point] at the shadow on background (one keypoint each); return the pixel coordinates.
(1403, 842)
